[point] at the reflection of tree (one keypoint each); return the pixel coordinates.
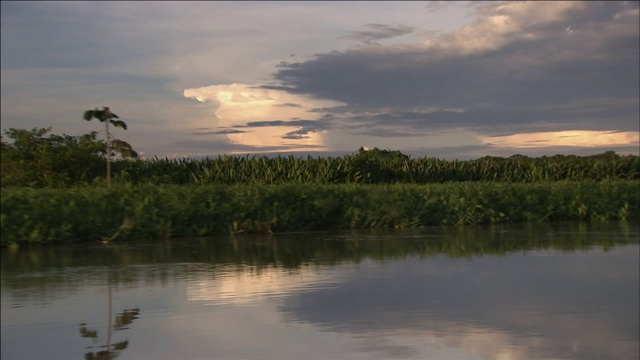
(121, 321)
(126, 318)
(68, 266)
(111, 350)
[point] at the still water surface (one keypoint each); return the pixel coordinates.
(543, 291)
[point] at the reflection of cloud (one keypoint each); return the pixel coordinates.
(244, 285)
(487, 309)
(246, 106)
(479, 342)
(573, 339)
(565, 138)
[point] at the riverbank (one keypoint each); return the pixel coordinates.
(88, 214)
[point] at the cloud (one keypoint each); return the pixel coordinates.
(293, 122)
(302, 133)
(260, 113)
(435, 6)
(565, 138)
(512, 67)
(289, 105)
(377, 32)
(516, 68)
(507, 23)
(201, 148)
(219, 132)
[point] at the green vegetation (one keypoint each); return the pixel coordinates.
(64, 161)
(40, 216)
(37, 159)
(372, 167)
(50, 191)
(108, 117)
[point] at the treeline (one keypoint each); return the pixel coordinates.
(35, 160)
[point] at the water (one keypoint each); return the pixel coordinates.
(542, 291)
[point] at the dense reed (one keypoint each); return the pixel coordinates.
(58, 169)
(375, 168)
(124, 212)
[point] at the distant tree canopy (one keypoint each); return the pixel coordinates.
(37, 158)
(377, 154)
(379, 165)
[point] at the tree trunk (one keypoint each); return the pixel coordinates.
(108, 154)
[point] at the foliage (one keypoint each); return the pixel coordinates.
(63, 161)
(34, 159)
(81, 214)
(106, 116)
(37, 158)
(369, 167)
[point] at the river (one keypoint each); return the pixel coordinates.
(527, 291)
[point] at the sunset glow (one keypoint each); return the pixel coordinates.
(249, 110)
(579, 138)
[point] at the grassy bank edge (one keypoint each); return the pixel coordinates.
(85, 214)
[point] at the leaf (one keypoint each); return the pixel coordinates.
(88, 115)
(124, 148)
(119, 123)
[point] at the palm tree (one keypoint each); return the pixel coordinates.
(108, 117)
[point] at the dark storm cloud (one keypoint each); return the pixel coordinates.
(528, 76)
(503, 120)
(377, 32)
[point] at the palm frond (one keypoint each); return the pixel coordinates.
(118, 123)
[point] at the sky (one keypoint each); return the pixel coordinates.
(438, 79)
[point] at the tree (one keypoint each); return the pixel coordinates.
(379, 166)
(108, 117)
(37, 158)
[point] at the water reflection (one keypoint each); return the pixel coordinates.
(121, 322)
(111, 350)
(521, 307)
(562, 291)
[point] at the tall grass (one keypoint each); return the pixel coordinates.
(153, 211)
(361, 169)
(365, 167)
